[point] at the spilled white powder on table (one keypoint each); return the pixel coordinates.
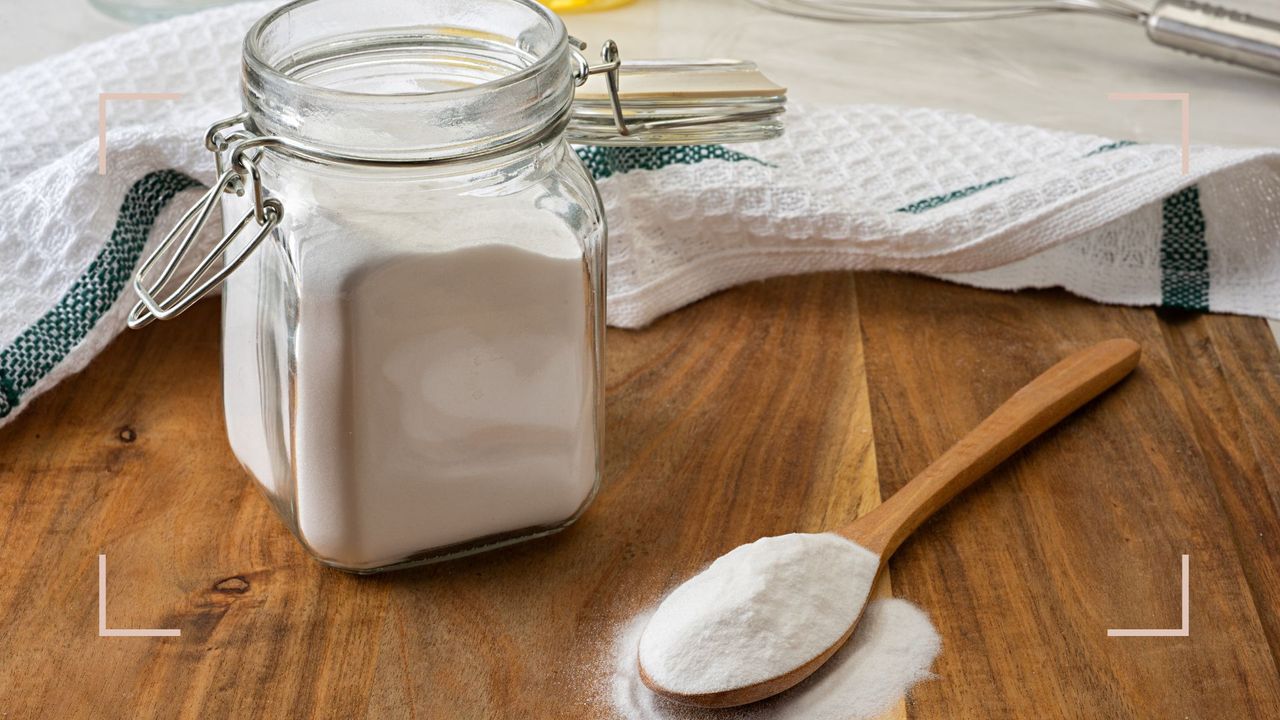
(892, 650)
(762, 609)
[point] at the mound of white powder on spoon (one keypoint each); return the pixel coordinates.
(766, 608)
(759, 611)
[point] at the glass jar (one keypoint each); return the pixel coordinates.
(411, 359)
(413, 309)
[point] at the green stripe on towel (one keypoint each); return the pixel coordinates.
(39, 349)
(604, 161)
(1184, 254)
(1111, 146)
(930, 203)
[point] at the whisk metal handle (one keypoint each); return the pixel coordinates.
(1216, 32)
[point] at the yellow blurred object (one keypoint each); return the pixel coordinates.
(584, 5)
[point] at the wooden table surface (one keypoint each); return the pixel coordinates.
(790, 405)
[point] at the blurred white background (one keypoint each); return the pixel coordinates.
(1053, 71)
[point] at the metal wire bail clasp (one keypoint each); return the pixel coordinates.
(611, 65)
(265, 215)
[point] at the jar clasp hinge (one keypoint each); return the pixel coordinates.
(611, 65)
(240, 176)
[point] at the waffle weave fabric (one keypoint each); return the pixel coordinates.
(849, 187)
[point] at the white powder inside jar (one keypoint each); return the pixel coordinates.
(445, 384)
(757, 612)
(891, 650)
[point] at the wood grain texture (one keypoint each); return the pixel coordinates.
(743, 415)
(1035, 408)
(1083, 531)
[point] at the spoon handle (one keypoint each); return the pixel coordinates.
(1038, 406)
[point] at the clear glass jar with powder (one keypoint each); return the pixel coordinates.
(413, 309)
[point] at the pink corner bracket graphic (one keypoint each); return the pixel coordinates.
(1185, 99)
(103, 630)
(102, 118)
(1183, 631)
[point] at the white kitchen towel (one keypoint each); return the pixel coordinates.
(865, 187)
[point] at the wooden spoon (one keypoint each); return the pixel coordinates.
(1039, 405)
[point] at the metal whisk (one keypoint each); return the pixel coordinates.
(1198, 28)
